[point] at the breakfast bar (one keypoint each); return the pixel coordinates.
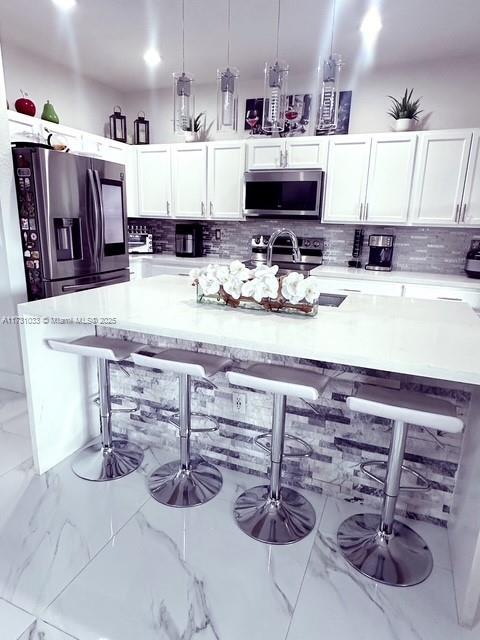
(429, 346)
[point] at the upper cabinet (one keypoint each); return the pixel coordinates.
(440, 177)
(470, 210)
(369, 178)
(287, 153)
(189, 182)
(154, 180)
(390, 178)
(226, 166)
(348, 159)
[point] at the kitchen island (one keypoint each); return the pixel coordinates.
(389, 339)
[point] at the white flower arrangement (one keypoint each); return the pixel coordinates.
(235, 282)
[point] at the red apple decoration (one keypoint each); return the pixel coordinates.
(25, 105)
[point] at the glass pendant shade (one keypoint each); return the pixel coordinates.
(183, 102)
(275, 97)
(227, 99)
(327, 115)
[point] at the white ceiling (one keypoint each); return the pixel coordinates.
(106, 39)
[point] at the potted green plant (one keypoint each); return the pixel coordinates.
(192, 130)
(405, 111)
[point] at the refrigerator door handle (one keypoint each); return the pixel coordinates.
(101, 219)
(91, 285)
(96, 216)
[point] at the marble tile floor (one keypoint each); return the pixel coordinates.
(86, 561)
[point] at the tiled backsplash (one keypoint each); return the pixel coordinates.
(416, 248)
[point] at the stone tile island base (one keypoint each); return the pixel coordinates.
(341, 440)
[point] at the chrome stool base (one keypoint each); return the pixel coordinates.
(99, 464)
(274, 521)
(176, 487)
(400, 559)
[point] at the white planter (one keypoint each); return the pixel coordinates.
(403, 124)
(190, 136)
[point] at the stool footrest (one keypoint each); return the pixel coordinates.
(381, 463)
(135, 406)
(173, 421)
(266, 446)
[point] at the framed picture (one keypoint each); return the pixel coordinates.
(297, 115)
(343, 119)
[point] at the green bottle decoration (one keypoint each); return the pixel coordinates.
(49, 113)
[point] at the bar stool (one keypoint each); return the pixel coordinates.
(112, 458)
(191, 480)
(271, 513)
(379, 546)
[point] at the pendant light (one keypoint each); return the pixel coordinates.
(275, 93)
(183, 92)
(327, 114)
(227, 90)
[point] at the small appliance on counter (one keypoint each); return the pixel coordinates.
(311, 250)
(381, 253)
(140, 239)
(357, 250)
(189, 240)
(472, 262)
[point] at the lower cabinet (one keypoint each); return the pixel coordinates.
(344, 286)
(427, 292)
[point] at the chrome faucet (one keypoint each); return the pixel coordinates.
(297, 256)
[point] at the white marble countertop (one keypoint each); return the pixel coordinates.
(431, 338)
(332, 271)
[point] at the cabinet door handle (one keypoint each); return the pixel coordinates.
(281, 158)
(286, 158)
(464, 211)
(447, 298)
(211, 208)
(366, 211)
(202, 208)
(352, 290)
(168, 208)
(361, 211)
(457, 211)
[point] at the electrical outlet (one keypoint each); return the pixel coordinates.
(240, 403)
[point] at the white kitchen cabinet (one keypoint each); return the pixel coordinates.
(390, 178)
(306, 152)
(345, 286)
(428, 292)
(470, 212)
(266, 153)
(23, 128)
(346, 180)
(154, 180)
(189, 179)
(309, 152)
(440, 176)
(226, 166)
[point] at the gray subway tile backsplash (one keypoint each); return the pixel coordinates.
(433, 249)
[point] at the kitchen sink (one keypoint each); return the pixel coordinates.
(284, 267)
(330, 300)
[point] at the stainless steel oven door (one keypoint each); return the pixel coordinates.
(283, 194)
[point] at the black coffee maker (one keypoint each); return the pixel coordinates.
(189, 240)
(381, 253)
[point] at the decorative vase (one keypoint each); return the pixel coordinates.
(403, 124)
(25, 105)
(190, 136)
(49, 113)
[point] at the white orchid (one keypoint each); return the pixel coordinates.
(260, 288)
(239, 271)
(222, 273)
(311, 289)
(209, 283)
(233, 286)
(262, 271)
(195, 274)
(293, 287)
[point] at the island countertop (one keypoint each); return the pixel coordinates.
(431, 338)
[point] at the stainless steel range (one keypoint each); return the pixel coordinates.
(311, 253)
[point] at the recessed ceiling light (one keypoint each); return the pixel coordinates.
(371, 25)
(65, 5)
(152, 57)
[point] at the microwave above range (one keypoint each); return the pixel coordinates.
(284, 194)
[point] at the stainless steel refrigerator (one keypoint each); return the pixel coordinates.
(73, 221)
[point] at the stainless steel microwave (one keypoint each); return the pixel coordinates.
(284, 194)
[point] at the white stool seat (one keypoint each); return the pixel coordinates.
(406, 406)
(274, 378)
(97, 347)
(182, 361)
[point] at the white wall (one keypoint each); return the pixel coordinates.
(450, 91)
(79, 101)
(12, 279)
